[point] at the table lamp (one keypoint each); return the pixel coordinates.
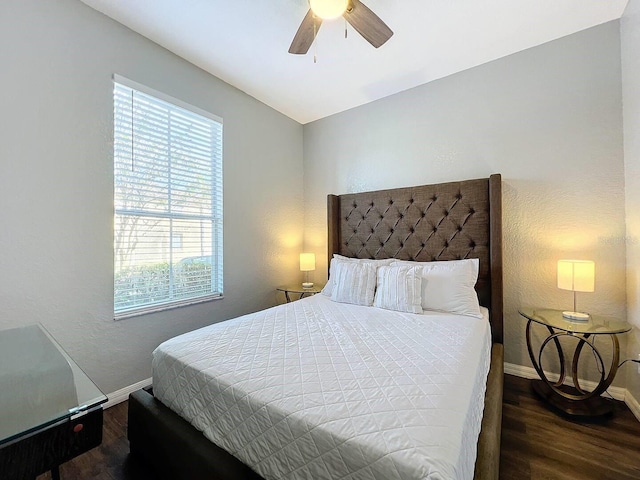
(577, 276)
(307, 264)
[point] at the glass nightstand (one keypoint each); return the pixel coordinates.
(574, 400)
(299, 290)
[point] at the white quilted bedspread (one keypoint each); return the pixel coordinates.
(321, 390)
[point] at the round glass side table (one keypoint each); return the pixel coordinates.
(574, 400)
(299, 290)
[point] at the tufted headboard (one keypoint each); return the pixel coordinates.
(446, 221)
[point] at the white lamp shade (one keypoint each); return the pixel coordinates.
(576, 275)
(307, 262)
(328, 9)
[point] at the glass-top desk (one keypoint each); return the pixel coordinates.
(45, 399)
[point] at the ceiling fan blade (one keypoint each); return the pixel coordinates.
(306, 34)
(367, 23)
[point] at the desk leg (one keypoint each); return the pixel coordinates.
(286, 295)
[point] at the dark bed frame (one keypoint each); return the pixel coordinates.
(446, 221)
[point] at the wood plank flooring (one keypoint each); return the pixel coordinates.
(539, 444)
(536, 444)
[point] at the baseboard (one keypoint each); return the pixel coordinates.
(121, 395)
(633, 404)
(529, 372)
(520, 371)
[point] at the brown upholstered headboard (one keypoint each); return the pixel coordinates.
(446, 221)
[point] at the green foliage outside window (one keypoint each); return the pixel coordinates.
(150, 284)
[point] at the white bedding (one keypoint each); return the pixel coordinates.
(316, 389)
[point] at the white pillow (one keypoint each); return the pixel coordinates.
(449, 286)
(354, 282)
(328, 288)
(398, 288)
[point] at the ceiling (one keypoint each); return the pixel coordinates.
(245, 43)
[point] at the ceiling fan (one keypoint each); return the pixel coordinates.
(359, 16)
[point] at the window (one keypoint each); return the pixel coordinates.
(168, 201)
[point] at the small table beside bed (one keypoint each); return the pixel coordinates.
(395, 370)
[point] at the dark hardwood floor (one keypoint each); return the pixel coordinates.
(536, 444)
(539, 444)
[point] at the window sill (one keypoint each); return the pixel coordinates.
(166, 306)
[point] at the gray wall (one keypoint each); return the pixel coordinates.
(549, 119)
(630, 37)
(56, 185)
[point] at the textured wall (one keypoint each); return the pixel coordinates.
(56, 185)
(549, 119)
(630, 39)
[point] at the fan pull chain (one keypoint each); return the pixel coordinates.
(315, 42)
(345, 28)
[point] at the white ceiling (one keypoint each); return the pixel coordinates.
(245, 43)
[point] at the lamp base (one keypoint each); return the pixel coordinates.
(577, 316)
(307, 284)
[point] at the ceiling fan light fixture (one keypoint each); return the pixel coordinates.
(328, 9)
(356, 13)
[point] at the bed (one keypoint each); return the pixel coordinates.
(434, 223)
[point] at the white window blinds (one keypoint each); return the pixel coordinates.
(168, 201)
